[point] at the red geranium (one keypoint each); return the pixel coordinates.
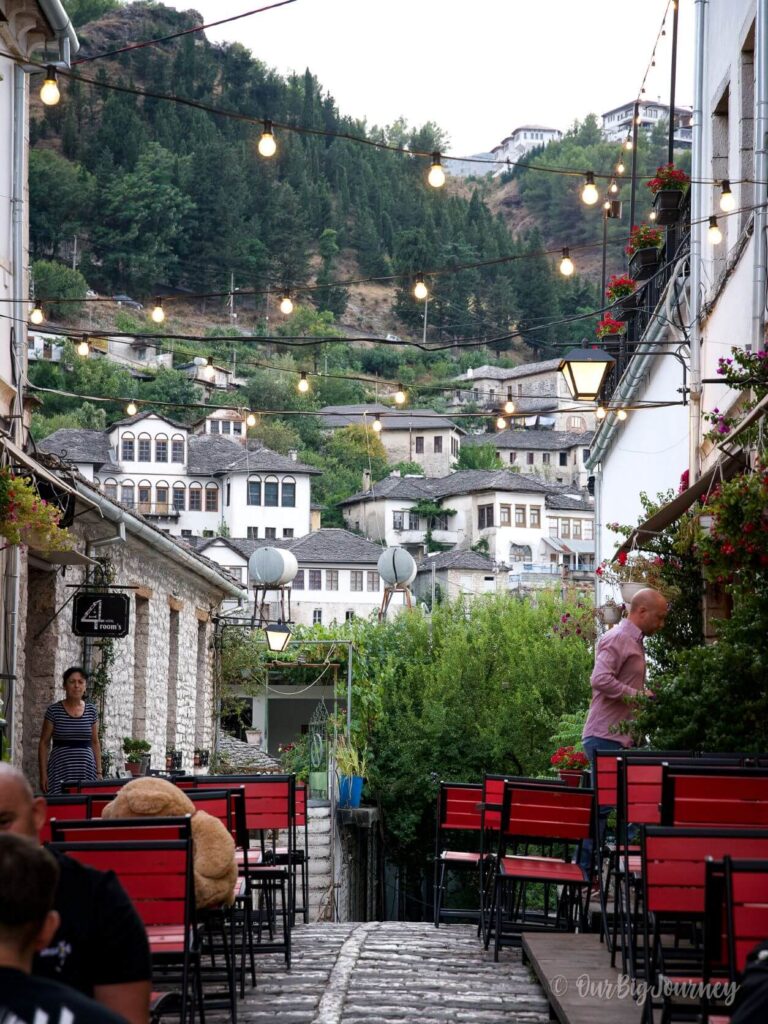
(569, 759)
(668, 177)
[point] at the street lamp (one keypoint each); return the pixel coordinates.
(277, 636)
(585, 370)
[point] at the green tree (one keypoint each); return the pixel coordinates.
(83, 11)
(479, 456)
(327, 295)
(61, 196)
(85, 417)
(53, 281)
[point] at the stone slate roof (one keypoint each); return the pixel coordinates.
(335, 416)
(73, 445)
(238, 758)
(464, 559)
(503, 373)
(465, 481)
(534, 439)
(258, 459)
(209, 454)
(330, 545)
(568, 502)
(393, 487)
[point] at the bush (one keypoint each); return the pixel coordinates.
(55, 281)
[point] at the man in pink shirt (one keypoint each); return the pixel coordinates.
(617, 679)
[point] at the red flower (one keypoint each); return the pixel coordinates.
(621, 558)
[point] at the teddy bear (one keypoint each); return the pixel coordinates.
(214, 866)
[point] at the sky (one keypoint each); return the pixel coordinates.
(477, 68)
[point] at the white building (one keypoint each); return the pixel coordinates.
(521, 141)
(191, 484)
(408, 435)
(617, 122)
(723, 300)
(555, 456)
(137, 354)
(537, 390)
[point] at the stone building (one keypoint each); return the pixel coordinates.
(458, 573)
(557, 456)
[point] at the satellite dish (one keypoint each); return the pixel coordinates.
(272, 567)
(396, 567)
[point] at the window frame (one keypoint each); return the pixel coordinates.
(272, 481)
(315, 579)
(128, 439)
(290, 482)
(211, 488)
(253, 478)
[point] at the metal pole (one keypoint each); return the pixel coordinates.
(605, 256)
(424, 335)
(349, 690)
(673, 82)
(635, 117)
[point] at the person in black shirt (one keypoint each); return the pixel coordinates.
(28, 880)
(100, 947)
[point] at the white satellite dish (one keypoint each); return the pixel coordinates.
(272, 567)
(396, 567)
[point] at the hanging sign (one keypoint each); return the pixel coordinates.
(99, 614)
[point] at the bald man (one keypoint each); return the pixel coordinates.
(100, 947)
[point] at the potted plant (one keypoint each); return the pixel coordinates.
(623, 292)
(351, 766)
(135, 752)
(201, 758)
(611, 612)
(668, 188)
(643, 249)
(635, 572)
(173, 759)
(570, 764)
(610, 327)
(294, 758)
(26, 518)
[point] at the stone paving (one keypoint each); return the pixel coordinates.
(391, 973)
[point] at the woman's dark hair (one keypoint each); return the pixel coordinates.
(75, 669)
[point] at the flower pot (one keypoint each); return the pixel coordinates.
(628, 591)
(611, 613)
(572, 777)
(643, 263)
(667, 204)
(318, 785)
(254, 736)
(350, 790)
(134, 767)
(628, 305)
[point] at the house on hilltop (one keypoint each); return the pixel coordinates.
(556, 456)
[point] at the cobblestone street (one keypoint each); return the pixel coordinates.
(382, 973)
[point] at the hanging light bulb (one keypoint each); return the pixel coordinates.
(714, 233)
(727, 198)
(377, 425)
(589, 192)
(620, 168)
(420, 290)
(49, 93)
(400, 395)
(628, 144)
(509, 405)
(250, 420)
(83, 348)
(158, 313)
(621, 414)
(652, 215)
(267, 145)
(501, 423)
(600, 412)
(607, 206)
(303, 384)
(613, 187)
(209, 370)
(131, 408)
(566, 263)
(286, 304)
(37, 316)
(436, 176)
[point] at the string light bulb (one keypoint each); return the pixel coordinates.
(436, 176)
(83, 348)
(621, 414)
(250, 420)
(600, 412)
(286, 304)
(158, 313)
(714, 234)
(589, 192)
(420, 289)
(303, 385)
(50, 94)
(628, 144)
(267, 145)
(377, 425)
(37, 316)
(566, 263)
(613, 187)
(400, 395)
(501, 423)
(727, 198)
(509, 405)
(652, 215)
(131, 408)
(620, 168)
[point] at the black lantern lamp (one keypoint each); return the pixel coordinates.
(585, 370)
(277, 636)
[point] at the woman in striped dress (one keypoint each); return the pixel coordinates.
(73, 725)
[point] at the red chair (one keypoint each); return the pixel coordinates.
(733, 797)
(158, 878)
(459, 814)
(69, 807)
(119, 830)
(101, 791)
(674, 879)
(541, 814)
(300, 853)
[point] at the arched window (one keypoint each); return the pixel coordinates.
(161, 448)
(127, 448)
(177, 448)
(254, 490)
(162, 496)
(179, 497)
(110, 488)
(271, 492)
(145, 496)
(195, 497)
(211, 498)
(145, 448)
(289, 492)
(127, 493)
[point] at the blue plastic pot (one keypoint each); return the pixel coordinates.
(350, 790)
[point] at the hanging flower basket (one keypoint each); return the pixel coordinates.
(667, 205)
(610, 613)
(27, 518)
(628, 590)
(643, 263)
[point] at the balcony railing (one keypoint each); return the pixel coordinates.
(161, 509)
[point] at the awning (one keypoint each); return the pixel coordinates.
(570, 547)
(54, 558)
(20, 457)
(557, 545)
(729, 467)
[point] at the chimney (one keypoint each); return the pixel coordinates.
(293, 454)
(366, 479)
